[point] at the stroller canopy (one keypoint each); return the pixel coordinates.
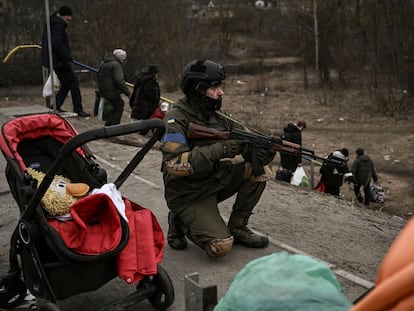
(33, 127)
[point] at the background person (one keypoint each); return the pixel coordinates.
(288, 163)
(200, 173)
(332, 174)
(363, 170)
(146, 95)
(62, 60)
(111, 83)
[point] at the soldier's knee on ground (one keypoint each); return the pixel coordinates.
(219, 247)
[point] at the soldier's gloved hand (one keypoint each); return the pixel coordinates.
(265, 156)
(231, 148)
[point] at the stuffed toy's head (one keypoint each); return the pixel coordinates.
(61, 193)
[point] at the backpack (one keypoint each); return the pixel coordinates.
(327, 169)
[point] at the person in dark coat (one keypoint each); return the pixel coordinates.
(288, 163)
(145, 97)
(111, 83)
(363, 170)
(332, 173)
(62, 58)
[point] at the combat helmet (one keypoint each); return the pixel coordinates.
(205, 72)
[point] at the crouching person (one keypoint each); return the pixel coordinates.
(201, 172)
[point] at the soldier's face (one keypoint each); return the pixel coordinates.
(214, 92)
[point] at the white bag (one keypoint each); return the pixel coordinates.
(47, 88)
(299, 178)
(101, 108)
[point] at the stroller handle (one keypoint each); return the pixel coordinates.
(112, 131)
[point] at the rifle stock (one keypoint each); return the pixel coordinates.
(196, 131)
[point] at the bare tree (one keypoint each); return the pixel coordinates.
(370, 39)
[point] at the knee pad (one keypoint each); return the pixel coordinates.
(219, 247)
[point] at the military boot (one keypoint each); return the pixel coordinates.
(243, 235)
(175, 237)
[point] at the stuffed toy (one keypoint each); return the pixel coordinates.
(61, 193)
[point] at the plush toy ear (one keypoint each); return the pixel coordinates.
(77, 190)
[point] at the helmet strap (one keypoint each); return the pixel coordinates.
(201, 88)
(212, 104)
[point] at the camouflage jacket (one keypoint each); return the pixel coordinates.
(193, 168)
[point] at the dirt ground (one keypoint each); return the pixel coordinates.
(336, 230)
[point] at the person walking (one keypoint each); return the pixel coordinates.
(62, 58)
(289, 163)
(200, 173)
(333, 171)
(111, 84)
(363, 170)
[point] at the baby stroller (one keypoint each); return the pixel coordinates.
(40, 259)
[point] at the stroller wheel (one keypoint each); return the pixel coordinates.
(12, 292)
(164, 296)
(49, 306)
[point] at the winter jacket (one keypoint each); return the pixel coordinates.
(60, 44)
(363, 169)
(111, 78)
(210, 174)
(292, 133)
(332, 174)
(145, 97)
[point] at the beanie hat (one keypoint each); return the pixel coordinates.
(302, 124)
(65, 11)
(359, 151)
(120, 54)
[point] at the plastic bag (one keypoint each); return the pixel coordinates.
(299, 178)
(377, 193)
(47, 88)
(283, 281)
(97, 102)
(321, 187)
(104, 109)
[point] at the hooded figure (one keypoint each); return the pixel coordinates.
(363, 170)
(145, 98)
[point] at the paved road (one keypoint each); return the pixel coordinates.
(145, 187)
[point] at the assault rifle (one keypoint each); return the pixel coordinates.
(257, 140)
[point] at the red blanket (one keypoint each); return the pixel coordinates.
(95, 229)
(145, 248)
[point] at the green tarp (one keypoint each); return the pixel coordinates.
(287, 282)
